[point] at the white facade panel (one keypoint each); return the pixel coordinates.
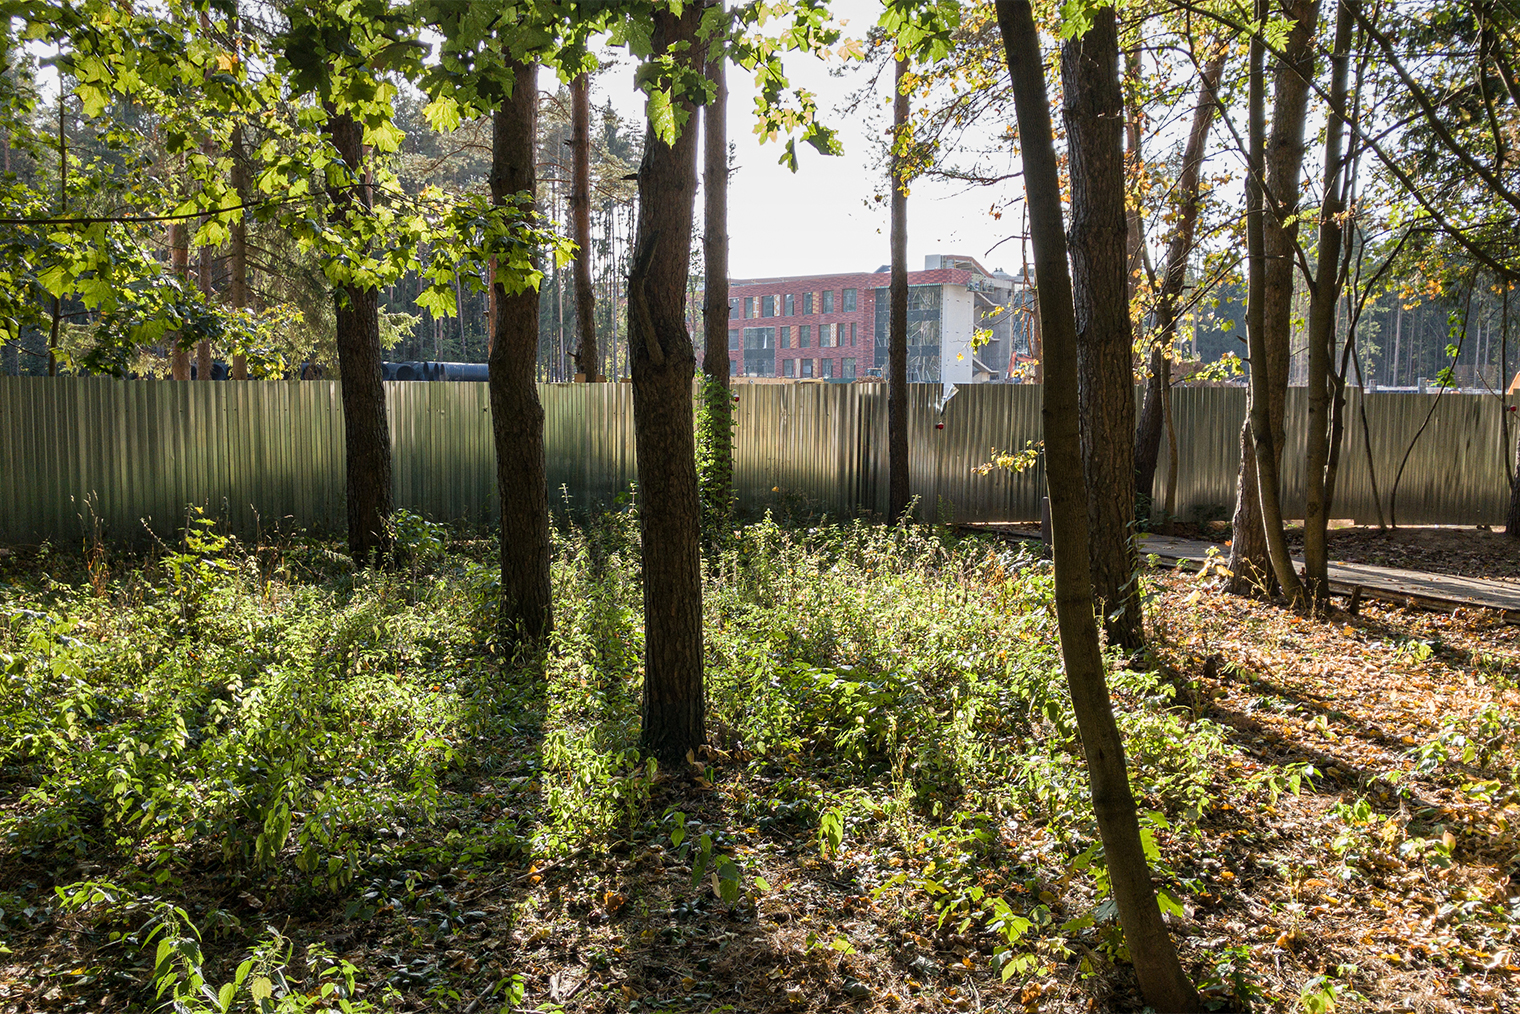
(957, 325)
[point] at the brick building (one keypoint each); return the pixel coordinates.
(834, 327)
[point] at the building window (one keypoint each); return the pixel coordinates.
(759, 352)
(828, 301)
(807, 367)
(826, 368)
(924, 328)
(749, 307)
(849, 300)
(784, 337)
(733, 309)
(767, 306)
(807, 304)
(789, 306)
(733, 339)
(788, 367)
(849, 369)
(804, 335)
(733, 367)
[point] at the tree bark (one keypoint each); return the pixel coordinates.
(1250, 555)
(898, 491)
(663, 359)
(1178, 252)
(179, 263)
(1094, 113)
(588, 359)
(1323, 298)
(517, 418)
(1162, 981)
(1268, 345)
(717, 406)
(366, 435)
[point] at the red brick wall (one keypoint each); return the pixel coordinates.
(863, 316)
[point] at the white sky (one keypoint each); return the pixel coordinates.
(823, 219)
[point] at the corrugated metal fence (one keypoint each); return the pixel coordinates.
(74, 451)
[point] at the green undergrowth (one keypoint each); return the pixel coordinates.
(219, 721)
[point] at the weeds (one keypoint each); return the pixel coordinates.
(234, 732)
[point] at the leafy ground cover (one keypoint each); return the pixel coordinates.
(250, 778)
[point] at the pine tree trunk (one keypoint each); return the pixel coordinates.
(898, 489)
(366, 435)
(517, 417)
(717, 406)
(588, 358)
(1162, 981)
(1094, 126)
(1250, 554)
(1179, 251)
(664, 363)
(1319, 457)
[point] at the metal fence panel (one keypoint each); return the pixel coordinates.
(1454, 473)
(133, 454)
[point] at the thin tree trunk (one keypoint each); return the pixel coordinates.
(179, 263)
(63, 208)
(238, 245)
(1134, 130)
(1250, 554)
(366, 435)
(674, 719)
(1094, 126)
(491, 307)
(1263, 434)
(898, 491)
(203, 253)
(1162, 982)
(517, 417)
(203, 280)
(588, 359)
(1512, 518)
(1179, 251)
(1324, 297)
(1171, 455)
(717, 406)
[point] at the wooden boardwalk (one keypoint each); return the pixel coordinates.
(1356, 581)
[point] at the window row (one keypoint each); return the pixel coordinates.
(830, 336)
(759, 365)
(786, 306)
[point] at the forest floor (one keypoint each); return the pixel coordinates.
(334, 781)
